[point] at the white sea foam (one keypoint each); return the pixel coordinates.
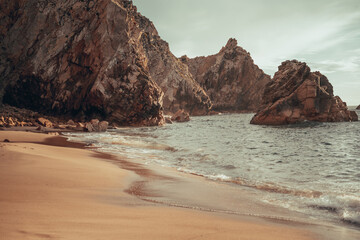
(312, 168)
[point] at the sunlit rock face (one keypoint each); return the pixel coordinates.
(180, 89)
(296, 94)
(230, 78)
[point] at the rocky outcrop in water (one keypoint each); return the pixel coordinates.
(180, 116)
(230, 78)
(296, 94)
(358, 107)
(76, 58)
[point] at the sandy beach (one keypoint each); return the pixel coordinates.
(58, 192)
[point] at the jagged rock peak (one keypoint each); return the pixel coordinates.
(296, 94)
(230, 78)
(232, 43)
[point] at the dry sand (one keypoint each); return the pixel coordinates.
(55, 192)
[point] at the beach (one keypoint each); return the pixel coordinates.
(55, 192)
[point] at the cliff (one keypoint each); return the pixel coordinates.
(180, 89)
(91, 59)
(296, 94)
(76, 58)
(230, 78)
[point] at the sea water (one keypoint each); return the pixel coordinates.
(312, 168)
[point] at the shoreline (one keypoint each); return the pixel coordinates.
(110, 199)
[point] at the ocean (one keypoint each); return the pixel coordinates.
(309, 168)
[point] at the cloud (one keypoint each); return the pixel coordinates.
(351, 64)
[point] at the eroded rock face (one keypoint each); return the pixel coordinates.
(296, 94)
(76, 58)
(230, 78)
(180, 89)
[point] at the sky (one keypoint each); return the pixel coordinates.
(323, 33)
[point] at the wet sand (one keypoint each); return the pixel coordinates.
(58, 191)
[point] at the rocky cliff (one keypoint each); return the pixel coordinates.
(230, 78)
(296, 94)
(91, 59)
(77, 58)
(180, 89)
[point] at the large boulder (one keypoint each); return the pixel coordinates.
(230, 78)
(45, 122)
(296, 94)
(180, 116)
(96, 126)
(77, 58)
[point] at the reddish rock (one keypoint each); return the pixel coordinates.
(230, 78)
(358, 107)
(180, 89)
(96, 126)
(180, 116)
(103, 126)
(77, 58)
(45, 122)
(354, 116)
(71, 122)
(296, 94)
(89, 127)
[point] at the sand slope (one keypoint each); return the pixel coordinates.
(49, 192)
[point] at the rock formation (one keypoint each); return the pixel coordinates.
(78, 58)
(230, 78)
(358, 107)
(180, 89)
(91, 59)
(180, 116)
(296, 94)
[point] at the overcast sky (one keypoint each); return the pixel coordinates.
(323, 33)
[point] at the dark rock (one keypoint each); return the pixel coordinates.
(180, 116)
(296, 94)
(354, 116)
(358, 107)
(6, 140)
(230, 78)
(41, 129)
(62, 60)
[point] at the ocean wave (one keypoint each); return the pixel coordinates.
(345, 207)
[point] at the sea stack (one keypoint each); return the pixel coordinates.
(230, 78)
(296, 94)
